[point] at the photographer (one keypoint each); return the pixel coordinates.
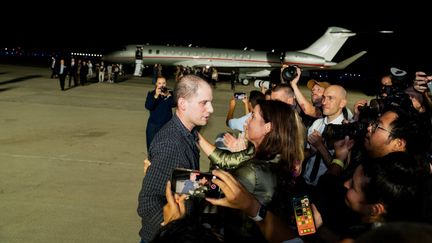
(311, 109)
(334, 101)
(160, 103)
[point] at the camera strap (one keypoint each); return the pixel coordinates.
(315, 167)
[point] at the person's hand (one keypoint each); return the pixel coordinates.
(317, 216)
(420, 81)
(175, 207)
(147, 164)
(297, 78)
(157, 92)
(234, 144)
(359, 103)
(315, 139)
(343, 147)
(236, 196)
(245, 99)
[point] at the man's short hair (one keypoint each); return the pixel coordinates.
(395, 180)
(187, 86)
(254, 96)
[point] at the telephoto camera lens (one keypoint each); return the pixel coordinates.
(289, 73)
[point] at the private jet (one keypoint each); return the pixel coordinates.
(249, 64)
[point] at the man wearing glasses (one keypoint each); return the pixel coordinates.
(396, 130)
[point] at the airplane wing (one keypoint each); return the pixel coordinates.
(343, 64)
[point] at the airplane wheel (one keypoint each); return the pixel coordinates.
(245, 82)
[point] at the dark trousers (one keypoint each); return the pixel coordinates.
(62, 81)
(151, 131)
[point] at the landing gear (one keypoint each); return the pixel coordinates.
(245, 81)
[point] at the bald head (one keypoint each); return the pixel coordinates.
(334, 100)
(337, 90)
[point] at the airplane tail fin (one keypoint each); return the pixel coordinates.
(343, 64)
(330, 43)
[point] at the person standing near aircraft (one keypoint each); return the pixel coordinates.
(174, 146)
(101, 74)
(62, 72)
(160, 103)
(234, 78)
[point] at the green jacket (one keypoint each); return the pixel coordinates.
(257, 176)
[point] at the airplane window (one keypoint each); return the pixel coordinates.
(157, 52)
(150, 51)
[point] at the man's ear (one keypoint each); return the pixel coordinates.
(343, 103)
(399, 144)
(181, 104)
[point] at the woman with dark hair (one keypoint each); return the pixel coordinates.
(273, 158)
(269, 166)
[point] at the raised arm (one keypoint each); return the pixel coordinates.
(304, 103)
(231, 109)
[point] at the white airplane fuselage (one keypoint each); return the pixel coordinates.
(247, 62)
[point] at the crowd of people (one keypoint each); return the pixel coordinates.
(364, 169)
(80, 71)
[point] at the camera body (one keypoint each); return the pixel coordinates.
(239, 95)
(335, 132)
(289, 73)
(395, 97)
(194, 183)
(164, 89)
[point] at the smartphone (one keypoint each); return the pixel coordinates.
(303, 215)
(239, 95)
(194, 183)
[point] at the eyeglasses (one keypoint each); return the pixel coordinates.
(375, 125)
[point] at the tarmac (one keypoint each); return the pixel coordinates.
(71, 162)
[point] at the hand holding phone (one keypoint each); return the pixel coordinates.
(239, 95)
(194, 183)
(303, 215)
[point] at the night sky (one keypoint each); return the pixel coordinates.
(263, 26)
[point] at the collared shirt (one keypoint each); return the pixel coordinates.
(174, 146)
(318, 125)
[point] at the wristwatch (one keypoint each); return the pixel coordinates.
(261, 214)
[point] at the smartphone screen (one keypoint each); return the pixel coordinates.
(239, 95)
(194, 183)
(303, 215)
